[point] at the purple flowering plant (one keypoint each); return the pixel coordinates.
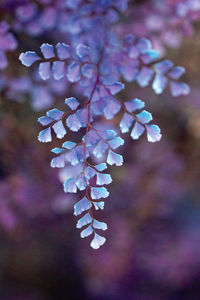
(99, 45)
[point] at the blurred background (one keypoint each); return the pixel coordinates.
(153, 212)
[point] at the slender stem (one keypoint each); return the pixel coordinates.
(121, 103)
(101, 137)
(84, 146)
